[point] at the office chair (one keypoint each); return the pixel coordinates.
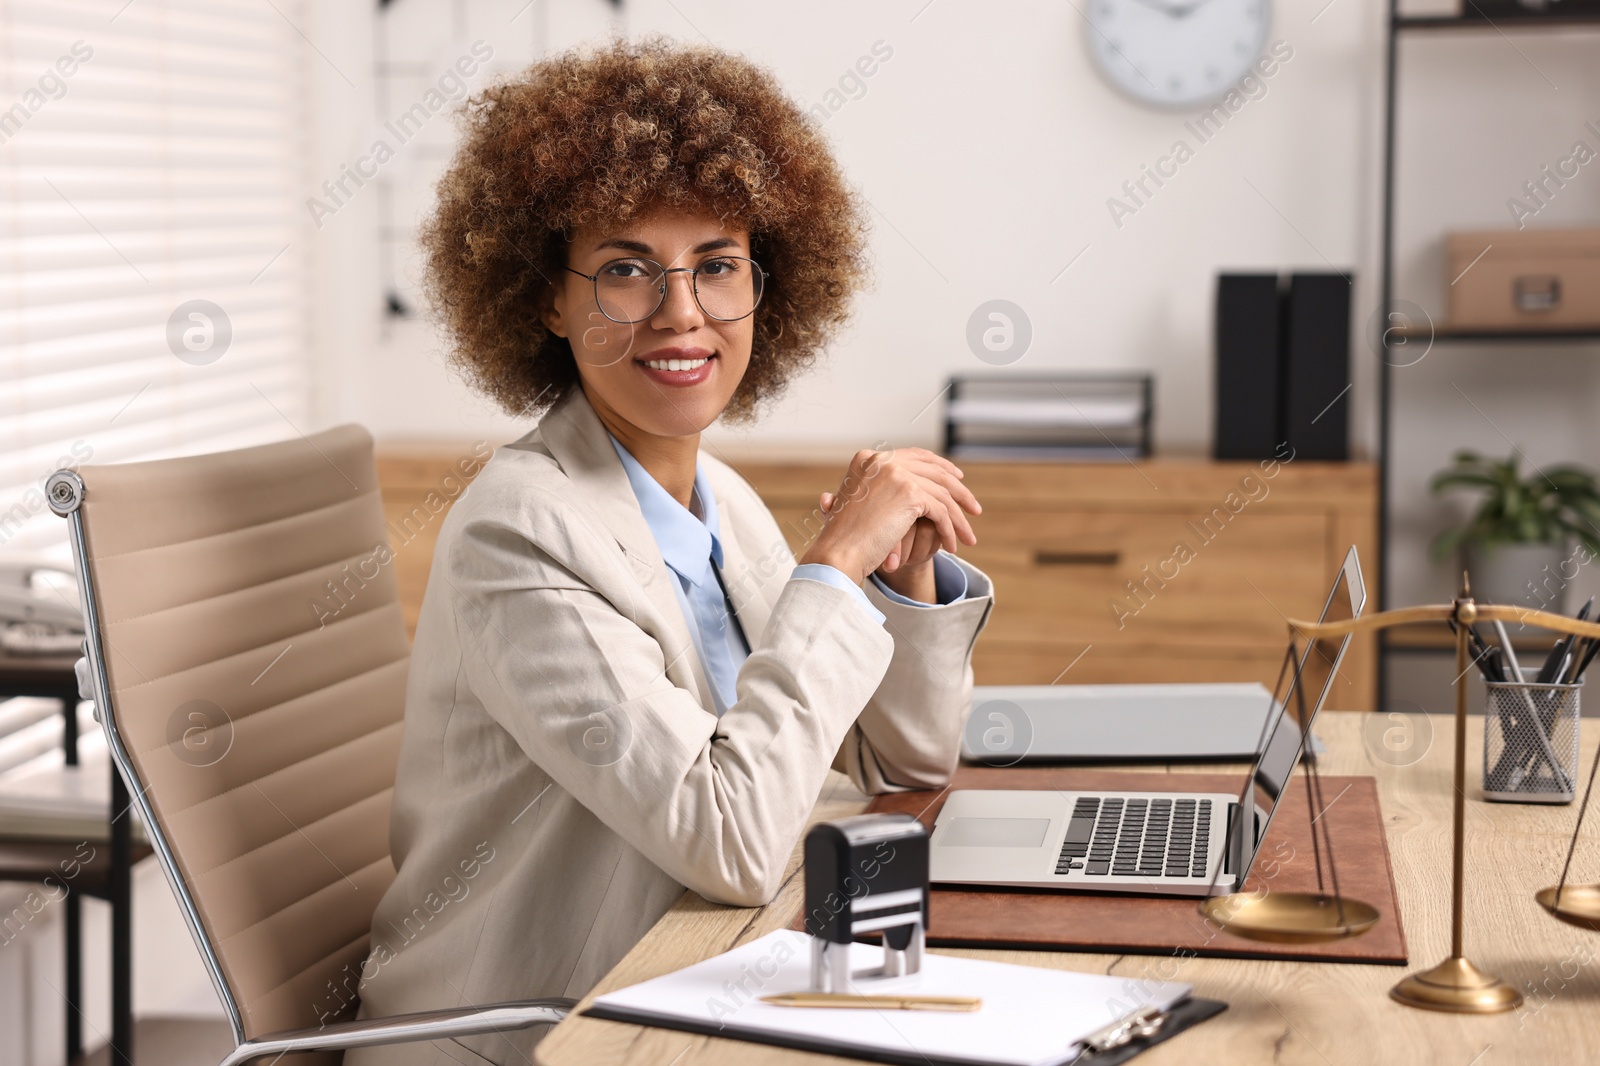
(248, 659)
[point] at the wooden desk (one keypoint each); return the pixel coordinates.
(1279, 1012)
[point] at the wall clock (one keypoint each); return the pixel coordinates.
(1176, 53)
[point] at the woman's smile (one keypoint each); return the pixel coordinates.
(677, 367)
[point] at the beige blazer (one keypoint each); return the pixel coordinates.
(562, 778)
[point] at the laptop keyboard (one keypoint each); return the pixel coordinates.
(1137, 837)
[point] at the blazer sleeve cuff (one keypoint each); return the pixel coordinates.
(913, 617)
(832, 575)
(949, 584)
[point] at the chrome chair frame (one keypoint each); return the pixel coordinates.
(65, 492)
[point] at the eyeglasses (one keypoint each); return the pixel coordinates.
(727, 287)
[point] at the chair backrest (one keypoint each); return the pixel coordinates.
(254, 659)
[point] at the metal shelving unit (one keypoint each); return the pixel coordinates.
(1477, 20)
(1544, 336)
(1474, 20)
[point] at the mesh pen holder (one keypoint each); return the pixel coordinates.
(1530, 742)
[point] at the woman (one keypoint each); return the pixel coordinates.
(622, 683)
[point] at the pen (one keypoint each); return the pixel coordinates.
(1554, 671)
(1513, 672)
(1555, 664)
(1488, 653)
(1510, 754)
(1570, 655)
(1497, 670)
(1583, 664)
(1547, 672)
(1582, 651)
(1580, 646)
(841, 999)
(1516, 758)
(1480, 654)
(1547, 669)
(1509, 651)
(1477, 660)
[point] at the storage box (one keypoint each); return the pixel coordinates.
(1524, 279)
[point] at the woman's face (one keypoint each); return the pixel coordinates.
(671, 374)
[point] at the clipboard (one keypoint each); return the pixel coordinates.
(1034, 1017)
(1123, 1041)
(1190, 1012)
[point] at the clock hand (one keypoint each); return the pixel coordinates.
(1170, 12)
(1188, 9)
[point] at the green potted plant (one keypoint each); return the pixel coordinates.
(1518, 546)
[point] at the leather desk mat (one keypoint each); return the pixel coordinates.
(1106, 923)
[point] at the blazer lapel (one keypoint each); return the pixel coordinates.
(578, 440)
(747, 589)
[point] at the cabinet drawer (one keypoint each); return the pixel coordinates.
(1151, 577)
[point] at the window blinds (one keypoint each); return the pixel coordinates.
(153, 165)
(152, 239)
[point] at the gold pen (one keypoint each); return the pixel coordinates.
(840, 999)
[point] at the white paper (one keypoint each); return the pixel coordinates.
(1030, 1016)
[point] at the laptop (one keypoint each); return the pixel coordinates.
(1115, 723)
(1137, 842)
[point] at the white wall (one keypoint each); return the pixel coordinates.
(985, 139)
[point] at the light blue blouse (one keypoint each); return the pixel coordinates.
(690, 546)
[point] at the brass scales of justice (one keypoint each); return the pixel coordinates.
(1454, 985)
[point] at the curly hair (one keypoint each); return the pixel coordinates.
(596, 138)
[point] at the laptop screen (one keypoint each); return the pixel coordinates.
(1306, 682)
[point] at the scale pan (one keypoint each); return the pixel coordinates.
(1580, 905)
(1290, 917)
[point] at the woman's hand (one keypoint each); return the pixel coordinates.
(892, 513)
(909, 570)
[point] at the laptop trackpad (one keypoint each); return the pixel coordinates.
(993, 832)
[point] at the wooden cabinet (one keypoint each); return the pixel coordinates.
(419, 483)
(1162, 570)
